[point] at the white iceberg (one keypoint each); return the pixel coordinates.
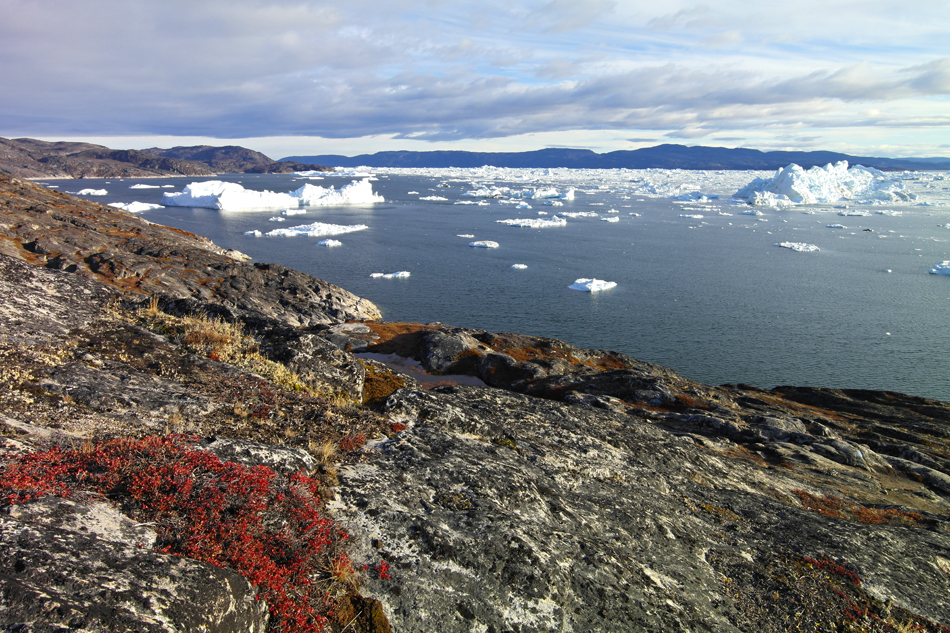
(276, 218)
(855, 213)
(592, 285)
(554, 203)
(831, 183)
(800, 247)
(692, 216)
(837, 226)
(943, 268)
(135, 207)
(293, 211)
(230, 196)
(434, 198)
(400, 274)
(523, 205)
(519, 266)
(612, 218)
(143, 186)
(329, 243)
(255, 233)
(466, 235)
(317, 229)
(91, 192)
(751, 212)
(579, 214)
(484, 244)
(535, 223)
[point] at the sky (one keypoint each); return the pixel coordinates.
(869, 78)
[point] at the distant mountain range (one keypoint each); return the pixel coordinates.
(32, 158)
(660, 156)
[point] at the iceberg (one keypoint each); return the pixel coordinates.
(831, 183)
(143, 186)
(484, 244)
(692, 216)
(837, 226)
(433, 198)
(329, 243)
(255, 233)
(612, 218)
(465, 235)
(230, 196)
(519, 266)
(276, 218)
(943, 268)
(579, 214)
(400, 274)
(799, 247)
(535, 223)
(135, 207)
(91, 192)
(592, 285)
(317, 229)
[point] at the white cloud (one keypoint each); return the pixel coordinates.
(451, 70)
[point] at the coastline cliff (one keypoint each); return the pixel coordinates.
(516, 483)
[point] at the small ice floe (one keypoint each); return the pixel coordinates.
(592, 285)
(412, 193)
(535, 223)
(329, 243)
(523, 205)
(855, 213)
(837, 226)
(135, 207)
(943, 268)
(293, 211)
(944, 226)
(751, 212)
(612, 211)
(610, 219)
(400, 274)
(799, 247)
(466, 235)
(143, 186)
(519, 266)
(554, 203)
(317, 229)
(434, 198)
(724, 213)
(636, 215)
(484, 244)
(91, 192)
(889, 212)
(276, 218)
(692, 216)
(580, 214)
(470, 202)
(255, 233)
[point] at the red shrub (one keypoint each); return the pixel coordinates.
(266, 526)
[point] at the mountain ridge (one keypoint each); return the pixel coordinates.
(33, 158)
(667, 156)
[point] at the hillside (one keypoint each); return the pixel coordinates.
(149, 376)
(659, 157)
(31, 158)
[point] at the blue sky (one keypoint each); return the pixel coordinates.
(358, 76)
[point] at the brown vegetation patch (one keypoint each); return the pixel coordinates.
(379, 384)
(839, 508)
(402, 339)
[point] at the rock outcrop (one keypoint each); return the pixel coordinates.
(575, 490)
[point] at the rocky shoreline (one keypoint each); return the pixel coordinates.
(553, 489)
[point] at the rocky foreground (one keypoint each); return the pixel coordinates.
(516, 483)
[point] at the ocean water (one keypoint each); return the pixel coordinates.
(713, 298)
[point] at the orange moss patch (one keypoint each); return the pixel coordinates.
(839, 508)
(403, 339)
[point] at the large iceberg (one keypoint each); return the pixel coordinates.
(831, 183)
(230, 196)
(592, 285)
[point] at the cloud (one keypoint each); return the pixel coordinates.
(450, 70)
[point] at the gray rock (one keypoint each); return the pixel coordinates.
(73, 566)
(283, 459)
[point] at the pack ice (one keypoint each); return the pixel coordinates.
(230, 196)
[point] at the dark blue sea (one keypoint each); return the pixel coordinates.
(710, 297)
